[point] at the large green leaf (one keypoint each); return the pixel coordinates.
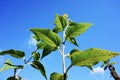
(60, 22)
(36, 56)
(76, 29)
(47, 36)
(13, 53)
(14, 78)
(37, 65)
(90, 57)
(56, 76)
(8, 65)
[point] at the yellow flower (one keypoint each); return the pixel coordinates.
(65, 16)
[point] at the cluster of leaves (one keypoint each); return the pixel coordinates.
(50, 40)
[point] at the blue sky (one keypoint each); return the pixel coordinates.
(18, 16)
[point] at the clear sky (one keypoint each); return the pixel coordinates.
(18, 16)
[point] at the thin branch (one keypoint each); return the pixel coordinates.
(68, 69)
(15, 72)
(26, 62)
(21, 69)
(31, 56)
(113, 72)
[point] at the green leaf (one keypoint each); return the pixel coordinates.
(76, 29)
(14, 78)
(37, 65)
(56, 76)
(13, 53)
(34, 37)
(90, 57)
(47, 36)
(60, 22)
(41, 45)
(36, 56)
(8, 65)
(47, 50)
(73, 41)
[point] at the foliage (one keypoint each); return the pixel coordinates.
(89, 57)
(49, 41)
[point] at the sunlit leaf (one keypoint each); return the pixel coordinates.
(56, 76)
(60, 22)
(13, 53)
(76, 29)
(37, 65)
(47, 36)
(8, 65)
(36, 56)
(90, 57)
(14, 78)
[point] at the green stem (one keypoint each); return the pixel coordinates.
(15, 72)
(68, 69)
(28, 60)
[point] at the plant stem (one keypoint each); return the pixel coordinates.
(63, 54)
(68, 68)
(63, 60)
(15, 73)
(113, 72)
(28, 60)
(21, 69)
